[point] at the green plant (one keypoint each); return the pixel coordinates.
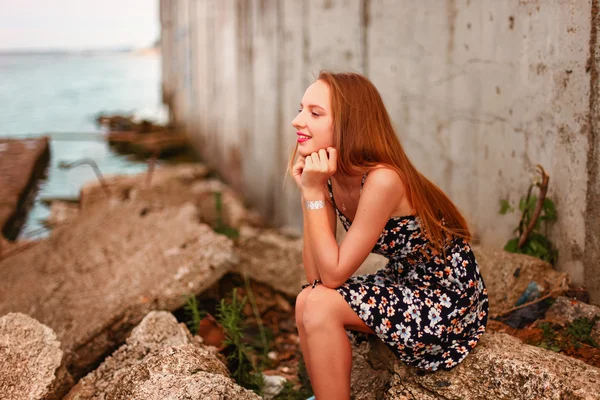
(579, 331)
(245, 372)
(193, 313)
(550, 341)
(530, 239)
(264, 340)
(220, 226)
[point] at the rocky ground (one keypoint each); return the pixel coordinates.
(97, 310)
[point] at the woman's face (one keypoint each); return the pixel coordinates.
(314, 120)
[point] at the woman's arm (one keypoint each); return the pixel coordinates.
(308, 259)
(382, 191)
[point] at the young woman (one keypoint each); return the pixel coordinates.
(429, 303)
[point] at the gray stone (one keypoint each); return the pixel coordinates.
(95, 278)
(274, 384)
(31, 360)
(506, 276)
(160, 360)
(171, 187)
(499, 368)
(565, 310)
(168, 186)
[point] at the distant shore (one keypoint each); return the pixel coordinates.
(53, 52)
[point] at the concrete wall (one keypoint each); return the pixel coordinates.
(479, 91)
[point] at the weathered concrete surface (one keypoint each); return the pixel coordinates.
(61, 212)
(499, 368)
(479, 91)
(274, 257)
(591, 255)
(163, 185)
(160, 360)
(22, 162)
(95, 278)
(31, 360)
(171, 187)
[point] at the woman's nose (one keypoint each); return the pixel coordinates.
(297, 122)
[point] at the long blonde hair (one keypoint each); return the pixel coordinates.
(364, 137)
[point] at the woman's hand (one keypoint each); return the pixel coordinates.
(297, 171)
(318, 167)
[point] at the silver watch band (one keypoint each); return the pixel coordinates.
(315, 204)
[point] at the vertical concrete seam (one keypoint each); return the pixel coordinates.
(305, 43)
(592, 212)
(364, 23)
(279, 207)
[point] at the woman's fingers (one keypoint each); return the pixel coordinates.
(332, 162)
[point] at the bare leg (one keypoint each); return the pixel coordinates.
(299, 308)
(326, 317)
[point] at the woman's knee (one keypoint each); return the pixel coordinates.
(300, 305)
(317, 309)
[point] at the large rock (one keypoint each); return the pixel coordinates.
(499, 368)
(507, 275)
(274, 257)
(565, 310)
(172, 187)
(169, 186)
(31, 361)
(270, 257)
(95, 278)
(160, 360)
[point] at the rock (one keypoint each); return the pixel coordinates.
(61, 212)
(174, 186)
(565, 310)
(234, 212)
(160, 359)
(271, 258)
(372, 370)
(95, 278)
(168, 186)
(507, 275)
(31, 361)
(274, 384)
(274, 258)
(500, 367)
(177, 373)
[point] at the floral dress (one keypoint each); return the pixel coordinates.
(429, 310)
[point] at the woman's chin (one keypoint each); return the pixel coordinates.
(305, 151)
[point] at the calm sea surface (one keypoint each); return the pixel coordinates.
(62, 93)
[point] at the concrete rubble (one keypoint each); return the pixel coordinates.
(160, 359)
(31, 361)
(108, 267)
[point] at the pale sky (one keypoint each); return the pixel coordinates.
(78, 24)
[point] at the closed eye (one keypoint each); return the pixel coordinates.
(313, 113)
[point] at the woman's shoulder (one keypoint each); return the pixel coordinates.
(384, 176)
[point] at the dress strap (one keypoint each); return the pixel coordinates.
(362, 183)
(330, 190)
